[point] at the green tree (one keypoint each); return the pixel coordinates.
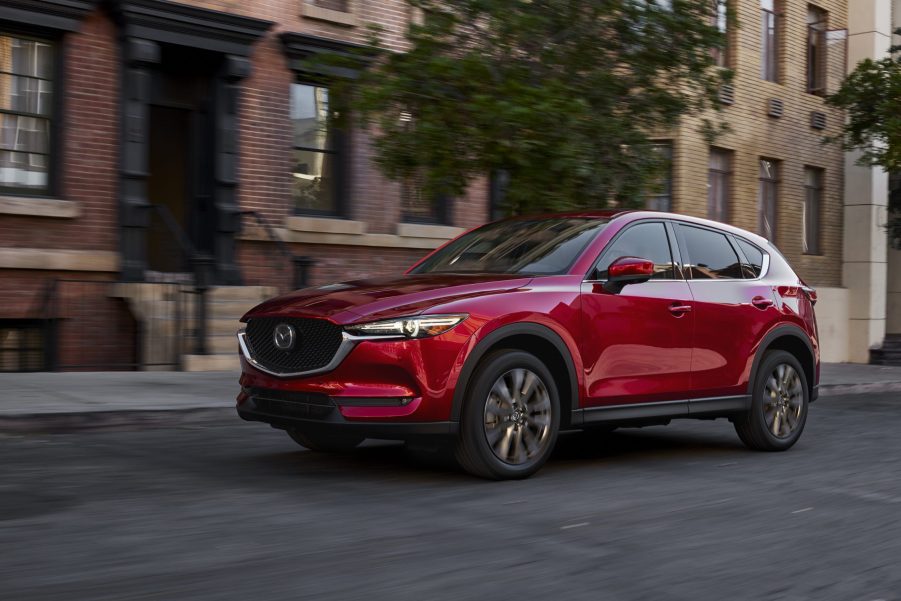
(562, 95)
(871, 95)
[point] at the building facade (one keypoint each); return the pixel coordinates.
(145, 138)
(138, 134)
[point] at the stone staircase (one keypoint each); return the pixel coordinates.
(225, 306)
(889, 353)
(154, 306)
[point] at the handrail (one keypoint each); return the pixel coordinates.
(301, 264)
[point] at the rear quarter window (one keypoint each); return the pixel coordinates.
(754, 256)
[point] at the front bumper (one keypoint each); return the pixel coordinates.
(323, 414)
(376, 382)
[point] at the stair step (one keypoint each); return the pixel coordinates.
(222, 344)
(229, 362)
(230, 309)
(251, 294)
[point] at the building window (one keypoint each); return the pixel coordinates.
(816, 50)
(769, 40)
(813, 203)
(22, 345)
(720, 19)
(768, 198)
(719, 178)
(318, 154)
(338, 5)
(26, 110)
(660, 197)
(417, 206)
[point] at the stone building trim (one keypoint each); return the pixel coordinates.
(59, 260)
(348, 19)
(39, 207)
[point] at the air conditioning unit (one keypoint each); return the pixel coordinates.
(776, 108)
(818, 120)
(727, 94)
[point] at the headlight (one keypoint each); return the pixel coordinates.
(406, 327)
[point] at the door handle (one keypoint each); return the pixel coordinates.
(679, 310)
(762, 302)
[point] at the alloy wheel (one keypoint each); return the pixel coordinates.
(783, 401)
(517, 417)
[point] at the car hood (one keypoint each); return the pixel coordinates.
(385, 297)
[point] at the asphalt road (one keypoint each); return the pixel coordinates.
(237, 512)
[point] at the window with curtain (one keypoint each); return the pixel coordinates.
(317, 155)
(816, 50)
(769, 40)
(660, 197)
(26, 111)
(719, 181)
(719, 18)
(813, 203)
(768, 198)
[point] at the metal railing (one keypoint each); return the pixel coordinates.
(281, 268)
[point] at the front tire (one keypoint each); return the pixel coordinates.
(334, 443)
(510, 419)
(779, 404)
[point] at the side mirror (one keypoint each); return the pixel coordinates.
(628, 270)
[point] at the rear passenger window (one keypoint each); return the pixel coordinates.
(710, 256)
(755, 259)
(645, 241)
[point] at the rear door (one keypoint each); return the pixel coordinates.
(733, 307)
(636, 343)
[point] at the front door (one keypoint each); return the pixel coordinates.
(637, 343)
(180, 160)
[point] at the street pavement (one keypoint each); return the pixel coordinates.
(228, 510)
(89, 400)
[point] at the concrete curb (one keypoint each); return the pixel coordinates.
(855, 389)
(56, 423)
(131, 419)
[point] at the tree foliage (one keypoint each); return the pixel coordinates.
(562, 95)
(871, 95)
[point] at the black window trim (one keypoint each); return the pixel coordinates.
(675, 256)
(56, 117)
(765, 265)
(728, 235)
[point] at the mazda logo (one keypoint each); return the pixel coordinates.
(284, 337)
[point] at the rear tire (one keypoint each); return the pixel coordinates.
(334, 443)
(778, 406)
(510, 418)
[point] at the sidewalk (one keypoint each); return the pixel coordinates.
(87, 400)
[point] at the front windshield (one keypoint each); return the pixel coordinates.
(527, 246)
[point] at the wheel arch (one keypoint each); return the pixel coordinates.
(535, 338)
(791, 339)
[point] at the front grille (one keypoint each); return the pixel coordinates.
(292, 404)
(315, 345)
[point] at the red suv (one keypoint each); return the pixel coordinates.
(525, 327)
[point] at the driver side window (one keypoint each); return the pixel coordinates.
(645, 241)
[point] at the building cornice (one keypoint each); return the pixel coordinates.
(173, 23)
(64, 15)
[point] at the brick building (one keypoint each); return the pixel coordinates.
(114, 108)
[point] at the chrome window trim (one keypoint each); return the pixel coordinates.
(348, 342)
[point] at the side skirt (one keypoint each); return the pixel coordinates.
(698, 408)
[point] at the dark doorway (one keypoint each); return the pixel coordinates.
(180, 156)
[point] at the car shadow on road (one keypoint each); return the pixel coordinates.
(379, 460)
